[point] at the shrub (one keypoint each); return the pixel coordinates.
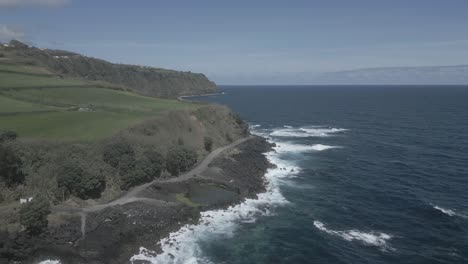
(33, 215)
(238, 118)
(126, 164)
(132, 178)
(208, 143)
(7, 135)
(79, 182)
(156, 163)
(229, 137)
(143, 170)
(180, 159)
(180, 141)
(115, 152)
(10, 167)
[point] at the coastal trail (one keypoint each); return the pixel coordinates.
(131, 196)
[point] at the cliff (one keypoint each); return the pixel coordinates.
(144, 80)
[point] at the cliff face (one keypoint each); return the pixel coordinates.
(149, 81)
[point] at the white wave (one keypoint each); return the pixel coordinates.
(371, 238)
(320, 147)
(288, 131)
(323, 130)
(49, 261)
(296, 148)
(182, 246)
(445, 211)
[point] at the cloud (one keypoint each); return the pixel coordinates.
(29, 3)
(7, 33)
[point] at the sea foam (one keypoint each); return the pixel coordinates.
(298, 148)
(445, 211)
(368, 238)
(49, 261)
(304, 132)
(182, 246)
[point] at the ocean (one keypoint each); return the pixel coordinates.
(365, 174)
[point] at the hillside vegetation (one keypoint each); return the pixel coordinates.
(75, 141)
(148, 81)
(37, 104)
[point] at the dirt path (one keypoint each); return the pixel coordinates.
(131, 196)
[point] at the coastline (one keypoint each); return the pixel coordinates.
(141, 224)
(183, 97)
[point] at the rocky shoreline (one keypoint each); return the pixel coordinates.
(116, 233)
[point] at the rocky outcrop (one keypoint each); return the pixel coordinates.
(114, 234)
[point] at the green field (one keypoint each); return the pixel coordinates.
(51, 107)
(9, 105)
(93, 98)
(18, 80)
(24, 69)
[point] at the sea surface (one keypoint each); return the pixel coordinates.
(365, 174)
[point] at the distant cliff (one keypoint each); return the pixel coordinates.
(149, 81)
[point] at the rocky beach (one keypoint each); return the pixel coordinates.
(116, 233)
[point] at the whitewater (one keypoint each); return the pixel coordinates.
(182, 246)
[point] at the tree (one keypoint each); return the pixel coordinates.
(115, 152)
(142, 170)
(208, 143)
(155, 163)
(133, 178)
(180, 159)
(33, 215)
(77, 181)
(7, 135)
(10, 166)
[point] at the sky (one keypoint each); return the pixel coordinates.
(247, 41)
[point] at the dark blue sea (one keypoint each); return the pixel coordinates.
(366, 174)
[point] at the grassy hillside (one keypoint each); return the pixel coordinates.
(87, 140)
(143, 80)
(39, 104)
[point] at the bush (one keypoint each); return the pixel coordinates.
(143, 170)
(126, 164)
(180, 159)
(180, 141)
(33, 215)
(74, 180)
(7, 135)
(10, 167)
(133, 178)
(229, 137)
(156, 163)
(116, 152)
(208, 143)
(238, 118)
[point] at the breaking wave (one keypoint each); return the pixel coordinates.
(182, 246)
(289, 131)
(372, 238)
(445, 211)
(450, 212)
(49, 261)
(296, 148)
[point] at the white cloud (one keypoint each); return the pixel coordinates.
(28, 3)
(7, 33)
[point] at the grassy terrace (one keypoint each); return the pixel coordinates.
(35, 104)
